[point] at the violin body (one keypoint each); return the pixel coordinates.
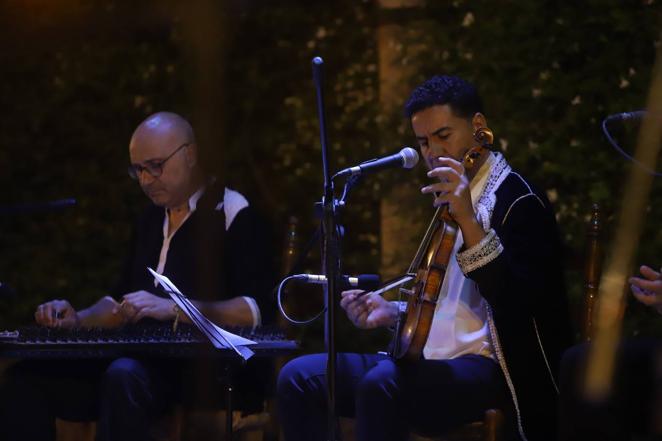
(430, 266)
(422, 298)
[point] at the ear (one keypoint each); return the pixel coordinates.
(478, 121)
(192, 155)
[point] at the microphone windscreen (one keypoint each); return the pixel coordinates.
(409, 157)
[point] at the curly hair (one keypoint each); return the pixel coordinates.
(460, 95)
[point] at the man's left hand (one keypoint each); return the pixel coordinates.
(453, 189)
(141, 304)
(648, 288)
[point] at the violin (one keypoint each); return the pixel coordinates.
(429, 269)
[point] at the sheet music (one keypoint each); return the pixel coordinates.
(219, 337)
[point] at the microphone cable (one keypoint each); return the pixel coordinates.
(282, 309)
(622, 152)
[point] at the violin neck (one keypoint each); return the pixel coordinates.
(420, 252)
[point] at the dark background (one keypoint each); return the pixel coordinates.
(76, 77)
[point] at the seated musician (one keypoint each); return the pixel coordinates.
(208, 240)
(633, 408)
(500, 323)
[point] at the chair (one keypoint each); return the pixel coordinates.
(489, 429)
(74, 431)
(593, 257)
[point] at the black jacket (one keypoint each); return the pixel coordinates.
(205, 261)
(529, 312)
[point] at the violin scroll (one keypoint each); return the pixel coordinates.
(484, 137)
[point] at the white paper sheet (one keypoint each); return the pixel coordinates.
(219, 337)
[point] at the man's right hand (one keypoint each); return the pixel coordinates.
(57, 314)
(368, 310)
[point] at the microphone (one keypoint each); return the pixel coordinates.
(626, 116)
(362, 281)
(405, 158)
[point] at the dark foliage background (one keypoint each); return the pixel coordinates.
(77, 76)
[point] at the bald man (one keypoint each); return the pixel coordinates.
(207, 239)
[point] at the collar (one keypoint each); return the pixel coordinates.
(495, 173)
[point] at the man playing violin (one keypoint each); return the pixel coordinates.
(207, 239)
(500, 321)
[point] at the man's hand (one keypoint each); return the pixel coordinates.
(140, 304)
(648, 289)
(368, 310)
(57, 314)
(452, 189)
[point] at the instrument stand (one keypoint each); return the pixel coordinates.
(330, 256)
(226, 380)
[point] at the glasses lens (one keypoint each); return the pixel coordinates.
(154, 170)
(134, 171)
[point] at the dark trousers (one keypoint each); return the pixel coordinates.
(387, 398)
(631, 411)
(125, 395)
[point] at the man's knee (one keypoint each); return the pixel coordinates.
(294, 377)
(377, 385)
(124, 372)
(287, 378)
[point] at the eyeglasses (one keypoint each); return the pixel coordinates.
(154, 167)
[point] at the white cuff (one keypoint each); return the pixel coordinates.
(255, 311)
(480, 254)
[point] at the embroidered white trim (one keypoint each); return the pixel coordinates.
(485, 205)
(480, 254)
(544, 355)
(496, 344)
(484, 252)
(483, 217)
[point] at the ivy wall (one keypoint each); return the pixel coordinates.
(78, 76)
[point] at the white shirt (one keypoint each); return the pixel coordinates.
(232, 203)
(460, 324)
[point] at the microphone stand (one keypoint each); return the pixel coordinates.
(330, 255)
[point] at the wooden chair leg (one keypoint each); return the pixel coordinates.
(493, 424)
(74, 431)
